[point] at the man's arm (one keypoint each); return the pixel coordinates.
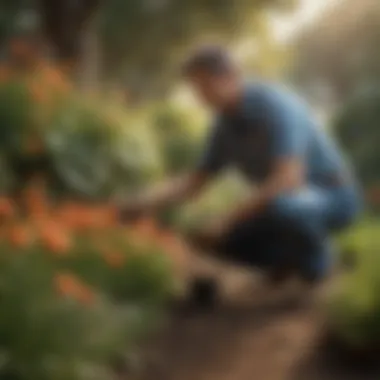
(181, 189)
(174, 191)
(288, 174)
(290, 142)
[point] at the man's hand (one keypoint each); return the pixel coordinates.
(132, 211)
(219, 228)
(171, 192)
(208, 238)
(287, 176)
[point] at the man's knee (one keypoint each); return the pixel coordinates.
(249, 243)
(300, 212)
(291, 208)
(316, 207)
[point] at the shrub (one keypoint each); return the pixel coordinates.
(96, 155)
(52, 326)
(216, 201)
(179, 136)
(353, 307)
(85, 146)
(77, 290)
(356, 127)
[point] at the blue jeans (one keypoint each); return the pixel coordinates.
(294, 231)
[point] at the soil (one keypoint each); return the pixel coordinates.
(250, 334)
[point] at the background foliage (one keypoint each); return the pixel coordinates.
(70, 303)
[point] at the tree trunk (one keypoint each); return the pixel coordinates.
(63, 22)
(90, 58)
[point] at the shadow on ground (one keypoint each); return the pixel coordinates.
(329, 363)
(280, 340)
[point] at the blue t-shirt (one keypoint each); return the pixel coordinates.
(270, 123)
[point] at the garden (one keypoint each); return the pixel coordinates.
(79, 291)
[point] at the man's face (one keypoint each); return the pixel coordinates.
(216, 91)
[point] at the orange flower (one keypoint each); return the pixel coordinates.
(146, 229)
(19, 236)
(77, 217)
(35, 199)
(66, 214)
(6, 208)
(52, 74)
(54, 78)
(103, 216)
(114, 259)
(34, 145)
(4, 73)
(55, 238)
(80, 217)
(70, 286)
(38, 93)
(110, 213)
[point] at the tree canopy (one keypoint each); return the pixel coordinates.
(339, 51)
(139, 40)
(151, 33)
(341, 48)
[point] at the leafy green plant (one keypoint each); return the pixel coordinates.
(78, 291)
(179, 135)
(356, 127)
(353, 306)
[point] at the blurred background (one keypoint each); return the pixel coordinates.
(92, 108)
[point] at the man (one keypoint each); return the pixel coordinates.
(304, 190)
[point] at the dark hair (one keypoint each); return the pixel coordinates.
(209, 59)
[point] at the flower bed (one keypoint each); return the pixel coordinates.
(77, 289)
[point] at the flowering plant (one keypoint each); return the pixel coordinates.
(77, 289)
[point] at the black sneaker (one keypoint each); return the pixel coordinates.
(279, 276)
(203, 294)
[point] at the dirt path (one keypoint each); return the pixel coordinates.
(245, 339)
